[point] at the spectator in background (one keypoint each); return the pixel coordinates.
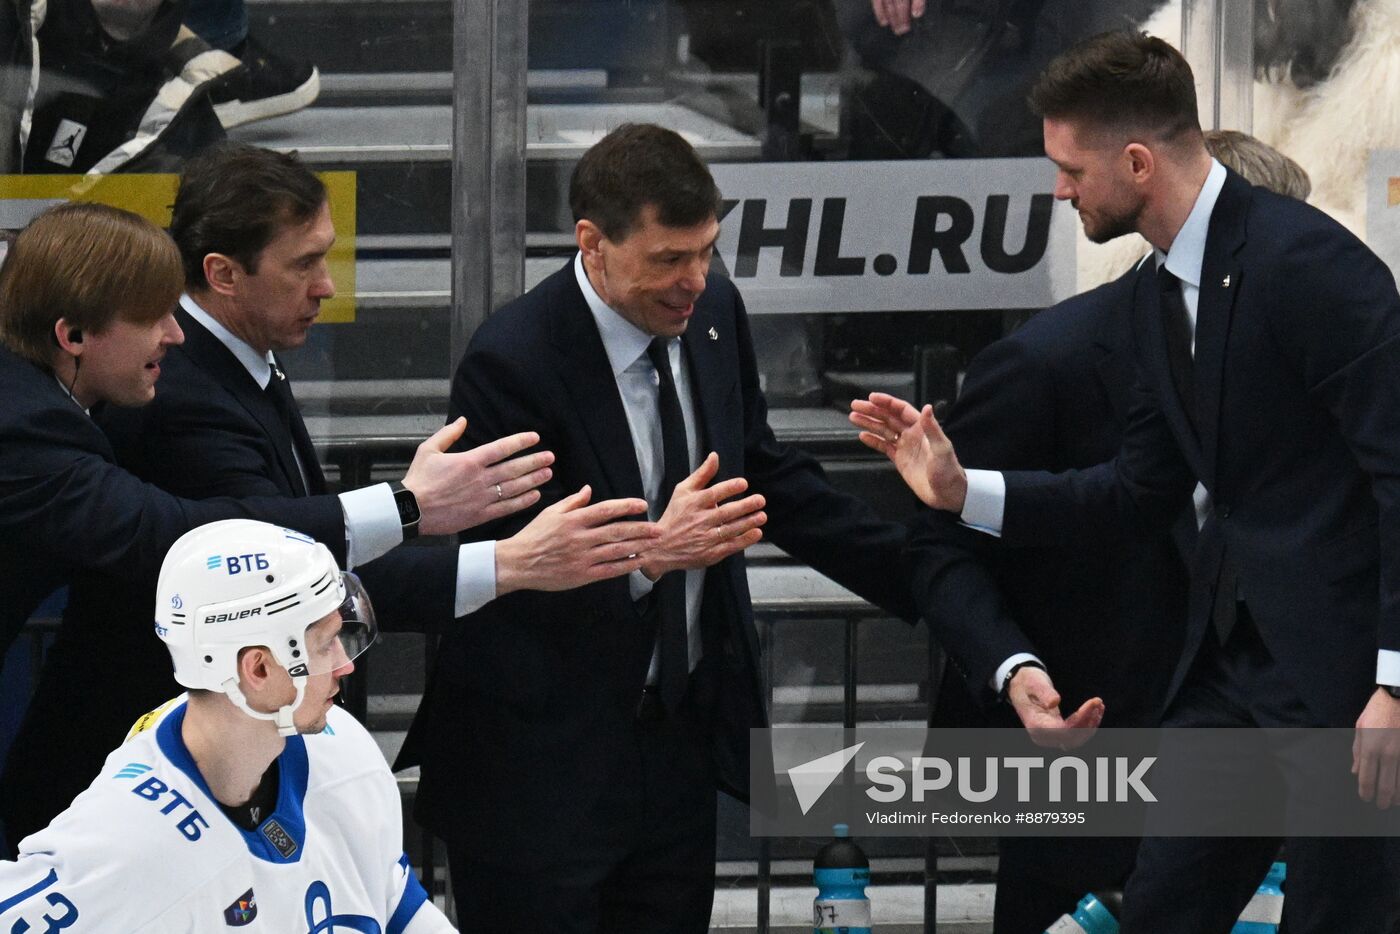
(127, 86)
(950, 78)
(268, 84)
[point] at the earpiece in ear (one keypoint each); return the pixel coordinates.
(75, 335)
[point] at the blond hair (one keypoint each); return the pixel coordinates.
(89, 264)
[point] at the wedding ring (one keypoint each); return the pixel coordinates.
(499, 494)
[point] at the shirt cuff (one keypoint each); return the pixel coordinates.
(1388, 667)
(1005, 667)
(639, 584)
(372, 524)
(476, 577)
(984, 509)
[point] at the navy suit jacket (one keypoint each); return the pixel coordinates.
(1106, 616)
(211, 431)
(529, 702)
(66, 507)
(1297, 356)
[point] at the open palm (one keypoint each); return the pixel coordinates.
(915, 443)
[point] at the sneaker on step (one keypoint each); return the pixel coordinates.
(267, 85)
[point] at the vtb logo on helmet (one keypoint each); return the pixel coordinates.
(278, 583)
(242, 564)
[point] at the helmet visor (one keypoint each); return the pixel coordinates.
(344, 634)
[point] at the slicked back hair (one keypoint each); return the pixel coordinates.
(639, 164)
(234, 199)
(1124, 82)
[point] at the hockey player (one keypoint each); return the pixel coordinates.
(251, 801)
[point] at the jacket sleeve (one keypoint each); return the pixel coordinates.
(192, 448)
(836, 533)
(1340, 328)
(1004, 416)
(67, 497)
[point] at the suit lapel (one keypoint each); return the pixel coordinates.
(1153, 352)
(1113, 342)
(583, 363)
(1220, 283)
(711, 381)
(301, 444)
(209, 354)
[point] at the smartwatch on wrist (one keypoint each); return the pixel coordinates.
(407, 505)
(1392, 689)
(1006, 682)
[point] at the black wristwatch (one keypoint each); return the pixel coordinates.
(407, 505)
(1392, 689)
(1006, 682)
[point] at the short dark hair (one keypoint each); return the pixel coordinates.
(88, 263)
(234, 198)
(1124, 81)
(639, 164)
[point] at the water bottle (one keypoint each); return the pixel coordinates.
(841, 872)
(1265, 910)
(1092, 916)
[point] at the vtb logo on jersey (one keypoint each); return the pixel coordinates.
(243, 910)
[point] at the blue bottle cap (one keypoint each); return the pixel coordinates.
(840, 830)
(1097, 912)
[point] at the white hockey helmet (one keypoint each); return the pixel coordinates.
(237, 583)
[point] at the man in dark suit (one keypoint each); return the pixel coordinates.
(253, 228)
(1054, 396)
(1267, 341)
(571, 747)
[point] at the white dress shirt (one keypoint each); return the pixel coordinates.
(372, 524)
(640, 388)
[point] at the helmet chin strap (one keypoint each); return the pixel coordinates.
(283, 715)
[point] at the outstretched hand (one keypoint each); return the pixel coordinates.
(457, 490)
(1033, 696)
(915, 443)
(572, 543)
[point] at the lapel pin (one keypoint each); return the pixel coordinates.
(1225, 282)
(714, 335)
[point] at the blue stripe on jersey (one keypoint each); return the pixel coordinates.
(291, 789)
(414, 895)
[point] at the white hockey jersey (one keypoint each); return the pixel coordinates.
(146, 847)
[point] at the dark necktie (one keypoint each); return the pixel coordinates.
(279, 393)
(1177, 323)
(669, 591)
